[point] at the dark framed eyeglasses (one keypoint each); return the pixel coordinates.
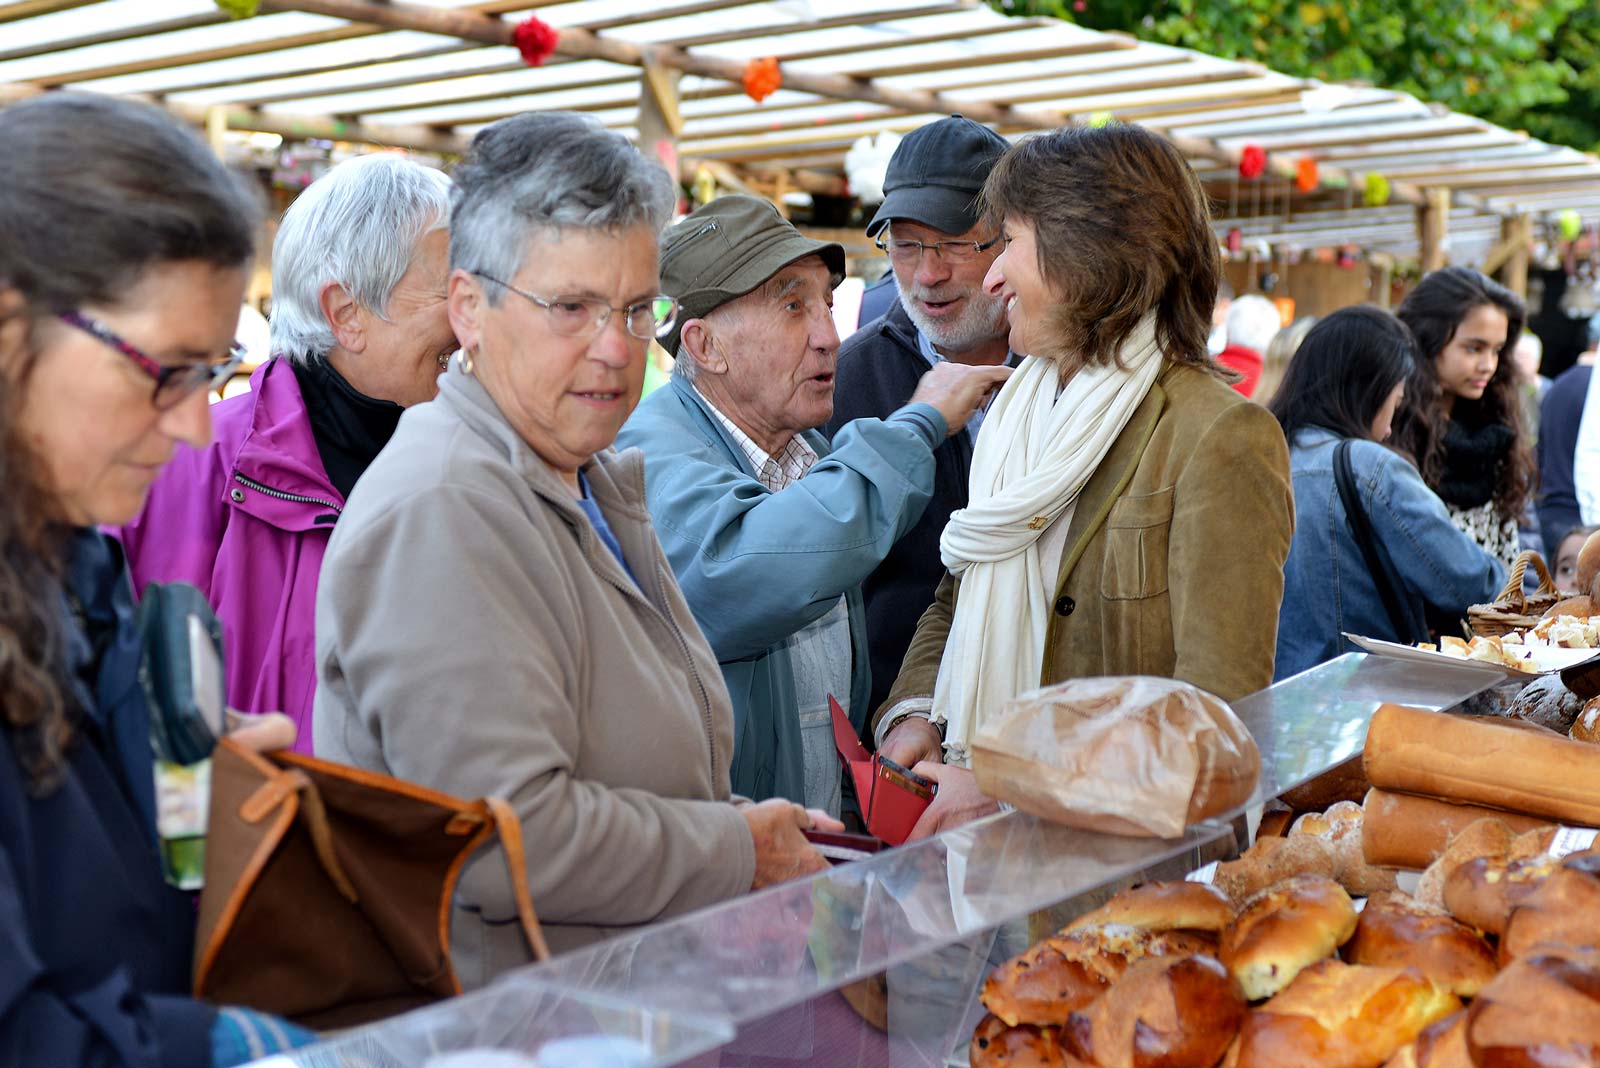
(173, 383)
(904, 251)
(581, 317)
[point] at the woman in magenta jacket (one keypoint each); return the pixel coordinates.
(359, 333)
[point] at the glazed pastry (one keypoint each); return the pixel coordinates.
(1181, 906)
(1337, 1015)
(1163, 1011)
(1285, 929)
(1396, 931)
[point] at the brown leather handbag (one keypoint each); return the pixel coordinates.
(328, 888)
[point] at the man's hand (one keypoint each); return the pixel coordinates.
(958, 801)
(958, 390)
(912, 741)
(782, 852)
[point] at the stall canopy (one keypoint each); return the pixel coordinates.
(426, 75)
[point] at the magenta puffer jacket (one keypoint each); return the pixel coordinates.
(247, 520)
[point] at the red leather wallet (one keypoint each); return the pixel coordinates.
(892, 798)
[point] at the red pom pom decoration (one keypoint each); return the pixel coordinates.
(1306, 178)
(762, 78)
(536, 40)
(1253, 162)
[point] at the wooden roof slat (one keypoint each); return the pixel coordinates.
(125, 33)
(1511, 167)
(1336, 137)
(697, 41)
(27, 9)
(206, 55)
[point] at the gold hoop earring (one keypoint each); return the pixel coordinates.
(465, 358)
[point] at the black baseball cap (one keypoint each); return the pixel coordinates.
(936, 174)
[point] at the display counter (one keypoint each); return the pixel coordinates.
(792, 975)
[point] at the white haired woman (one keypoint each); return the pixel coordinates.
(359, 333)
(496, 616)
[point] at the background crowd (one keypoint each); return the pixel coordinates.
(443, 534)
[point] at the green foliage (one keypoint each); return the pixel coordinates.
(1524, 64)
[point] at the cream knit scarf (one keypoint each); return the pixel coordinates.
(1037, 451)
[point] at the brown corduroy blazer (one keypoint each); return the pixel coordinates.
(1173, 564)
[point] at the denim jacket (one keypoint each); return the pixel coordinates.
(1327, 588)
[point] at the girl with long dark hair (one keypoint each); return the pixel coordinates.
(1340, 394)
(1461, 422)
(124, 247)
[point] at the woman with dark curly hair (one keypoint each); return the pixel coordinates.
(124, 246)
(1460, 422)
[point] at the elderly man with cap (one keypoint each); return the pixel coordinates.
(939, 250)
(769, 527)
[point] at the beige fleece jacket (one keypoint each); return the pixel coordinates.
(474, 635)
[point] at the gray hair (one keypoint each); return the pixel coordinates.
(544, 171)
(358, 225)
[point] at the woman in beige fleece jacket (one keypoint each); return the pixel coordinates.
(495, 615)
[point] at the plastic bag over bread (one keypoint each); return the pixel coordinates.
(1130, 755)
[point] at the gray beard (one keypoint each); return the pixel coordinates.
(983, 320)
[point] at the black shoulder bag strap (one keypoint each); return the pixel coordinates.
(1344, 477)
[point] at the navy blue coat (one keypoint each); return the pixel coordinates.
(95, 948)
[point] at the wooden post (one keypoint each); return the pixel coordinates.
(217, 130)
(660, 121)
(1380, 279)
(1433, 226)
(1519, 230)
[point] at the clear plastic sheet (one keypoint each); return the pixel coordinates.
(754, 982)
(1132, 755)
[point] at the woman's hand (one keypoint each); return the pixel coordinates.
(958, 801)
(912, 741)
(782, 852)
(262, 733)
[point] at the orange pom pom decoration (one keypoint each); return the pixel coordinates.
(1253, 162)
(535, 39)
(1306, 178)
(762, 78)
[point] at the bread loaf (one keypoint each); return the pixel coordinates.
(1163, 1011)
(1047, 983)
(1286, 929)
(1181, 906)
(1272, 860)
(1442, 1044)
(1337, 1015)
(1395, 931)
(1564, 910)
(1542, 1010)
(1483, 762)
(1586, 728)
(1407, 831)
(1130, 756)
(995, 1045)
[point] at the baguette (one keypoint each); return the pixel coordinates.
(1482, 761)
(1406, 831)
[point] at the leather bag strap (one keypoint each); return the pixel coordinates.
(509, 828)
(270, 795)
(1361, 527)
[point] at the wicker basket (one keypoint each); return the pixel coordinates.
(1515, 609)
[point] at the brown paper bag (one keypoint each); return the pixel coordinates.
(1132, 756)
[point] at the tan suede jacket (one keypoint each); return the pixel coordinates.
(1173, 564)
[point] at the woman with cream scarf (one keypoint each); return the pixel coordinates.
(1129, 514)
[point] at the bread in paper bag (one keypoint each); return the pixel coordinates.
(1133, 756)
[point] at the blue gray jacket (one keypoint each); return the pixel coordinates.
(756, 566)
(1327, 588)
